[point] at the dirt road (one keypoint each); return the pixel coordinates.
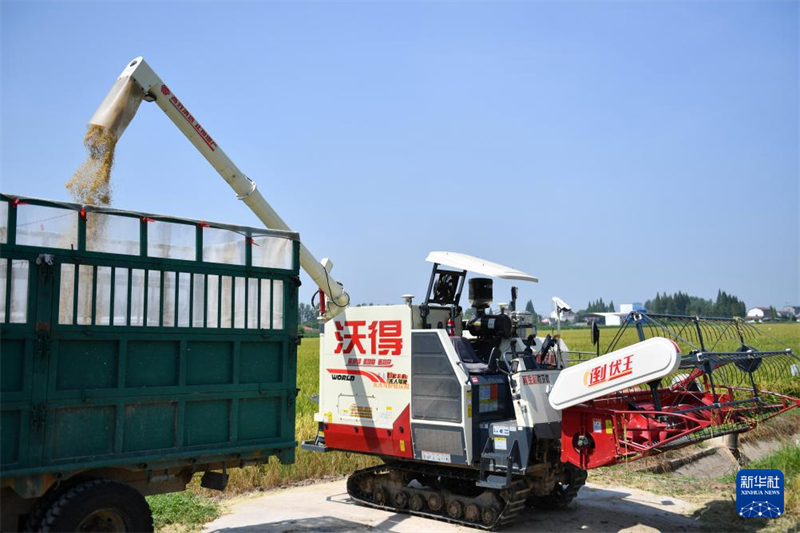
(326, 507)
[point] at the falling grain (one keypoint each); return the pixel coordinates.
(91, 183)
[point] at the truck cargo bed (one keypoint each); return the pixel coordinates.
(141, 343)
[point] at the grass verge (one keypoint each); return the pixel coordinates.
(182, 512)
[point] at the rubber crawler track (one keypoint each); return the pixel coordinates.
(512, 500)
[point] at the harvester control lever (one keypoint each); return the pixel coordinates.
(546, 345)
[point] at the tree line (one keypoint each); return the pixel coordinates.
(598, 306)
(306, 313)
(680, 303)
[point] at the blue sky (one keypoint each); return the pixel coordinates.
(612, 149)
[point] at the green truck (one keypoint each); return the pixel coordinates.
(137, 350)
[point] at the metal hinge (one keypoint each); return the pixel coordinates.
(43, 345)
(39, 415)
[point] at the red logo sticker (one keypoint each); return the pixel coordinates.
(384, 338)
(616, 369)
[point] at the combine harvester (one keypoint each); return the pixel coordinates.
(475, 419)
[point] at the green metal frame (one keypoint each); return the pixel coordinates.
(78, 397)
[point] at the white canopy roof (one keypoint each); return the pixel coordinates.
(478, 265)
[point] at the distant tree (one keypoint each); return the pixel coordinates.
(611, 308)
(306, 313)
(529, 308)
(657, 305)
(595, 306)
(728, 305)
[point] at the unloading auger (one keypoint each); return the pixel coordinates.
(139, 82)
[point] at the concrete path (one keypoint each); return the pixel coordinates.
(720, 464)
(326, 507)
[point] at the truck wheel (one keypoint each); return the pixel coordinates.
(37, 512)
(98, 505)
(44, 503)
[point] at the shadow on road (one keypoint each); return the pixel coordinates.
(324, 524)
(596, 510)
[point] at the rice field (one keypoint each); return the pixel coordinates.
(774, 336)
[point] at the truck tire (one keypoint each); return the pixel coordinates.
(43, 504)
(98, 505)
(37, 512)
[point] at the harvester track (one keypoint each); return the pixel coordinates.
(442, 493)
(564, 492)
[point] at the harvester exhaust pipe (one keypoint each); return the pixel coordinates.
(139, 82)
